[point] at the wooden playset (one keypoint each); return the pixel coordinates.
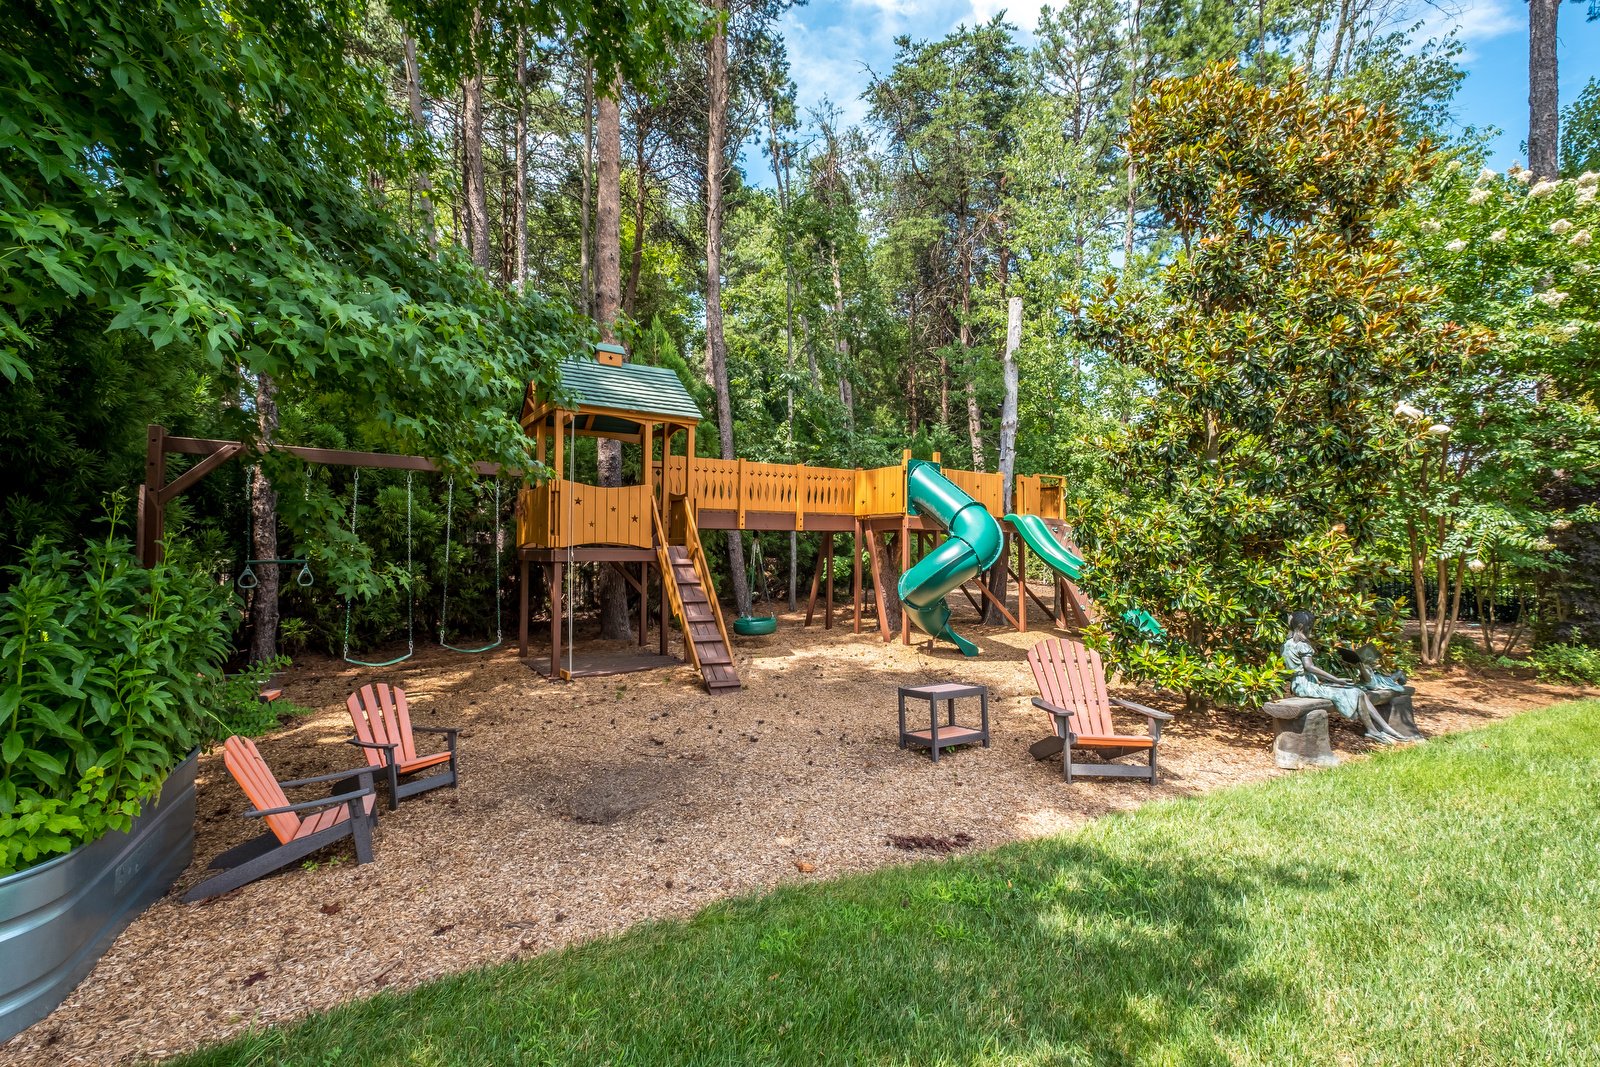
(651, 532)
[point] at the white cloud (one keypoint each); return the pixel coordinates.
(1475, 21)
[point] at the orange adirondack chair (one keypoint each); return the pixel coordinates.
(1072, 687)
(382, 720)
(289, 836)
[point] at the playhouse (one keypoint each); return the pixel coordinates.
(941, 527)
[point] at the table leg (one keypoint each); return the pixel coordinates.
(933, 726)
(902, 720)
(950, 707)
(983, 704)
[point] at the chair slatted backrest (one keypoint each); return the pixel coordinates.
(260, 787)
(381, 716)
(1071, 676)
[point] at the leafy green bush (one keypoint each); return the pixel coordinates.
(1567, 663)
(111, 675)
(1274, 341)
(240, 709)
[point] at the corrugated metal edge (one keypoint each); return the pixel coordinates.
(57, 919)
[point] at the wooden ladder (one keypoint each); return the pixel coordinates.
(694, 600)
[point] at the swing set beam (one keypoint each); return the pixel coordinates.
(156, 492)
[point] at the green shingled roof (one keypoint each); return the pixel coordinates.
(630, 387)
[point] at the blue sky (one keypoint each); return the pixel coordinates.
(832, 43)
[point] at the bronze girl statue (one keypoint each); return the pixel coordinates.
(1309, 680)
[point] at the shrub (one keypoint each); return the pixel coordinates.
(1567, 663)
(111, 672)
(1273, 343)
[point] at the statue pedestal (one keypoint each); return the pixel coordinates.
(1301, 732)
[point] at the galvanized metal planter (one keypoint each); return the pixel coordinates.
(57, 919)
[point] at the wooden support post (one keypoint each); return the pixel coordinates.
(557, 574)
(646, 461)
(800, 498)
(874, 546)
(827, 618)
(905, 565)
(522, 597)
(739, 489)
(644, 603)
(1022, 586)
(662, 621)
(855, 580)
(816, 581)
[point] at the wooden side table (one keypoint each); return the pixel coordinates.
(944, 735)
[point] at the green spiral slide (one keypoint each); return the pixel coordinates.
(1032, 529)
(973, 545)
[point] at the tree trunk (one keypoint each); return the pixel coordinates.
(630, 295)
(519, 180)
(1008, 452)
(1133, 173)
(586, 188)
(264, 533)
(420, 122)
(842, 348)
(474, 190)
(614, 622)
(716, 343)
(887, 567)
(1544, 115)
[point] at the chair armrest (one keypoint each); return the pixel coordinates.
(1149, 713)
(359, 772)
(309, 805)
(452, 730)
(387, 746)
(1044, 705)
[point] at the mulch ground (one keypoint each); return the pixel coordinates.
(590, 806)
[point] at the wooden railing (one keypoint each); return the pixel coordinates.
(1041, 495)
(558, 513)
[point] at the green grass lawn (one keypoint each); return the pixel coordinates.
(1438, 904)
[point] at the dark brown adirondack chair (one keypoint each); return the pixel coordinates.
(383, 731)
(1072, 687)
(290, 835)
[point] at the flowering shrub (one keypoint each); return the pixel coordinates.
(1511, 428)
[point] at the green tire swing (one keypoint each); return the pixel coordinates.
(755, 625)
(444, 599)
(411, 600)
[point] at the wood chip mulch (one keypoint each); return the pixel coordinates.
(587, 807)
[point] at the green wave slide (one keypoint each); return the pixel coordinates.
(1033, 531)
(973, 545)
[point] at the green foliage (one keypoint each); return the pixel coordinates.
(1271, 349)
(111, 677)
(206, 183)
(1572, 664)
(239, 707)
(1504, 439)
(1580, 132)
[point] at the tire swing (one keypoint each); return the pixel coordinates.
(755, 625)
(411, 600)
(444, 600)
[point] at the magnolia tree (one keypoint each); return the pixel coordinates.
(1274, 344)
(1504, 444)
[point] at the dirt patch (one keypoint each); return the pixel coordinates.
(609, 794)
(587, 807)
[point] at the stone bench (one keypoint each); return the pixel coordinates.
(1300, 726)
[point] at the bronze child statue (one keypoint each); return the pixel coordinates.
(1309, 680)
